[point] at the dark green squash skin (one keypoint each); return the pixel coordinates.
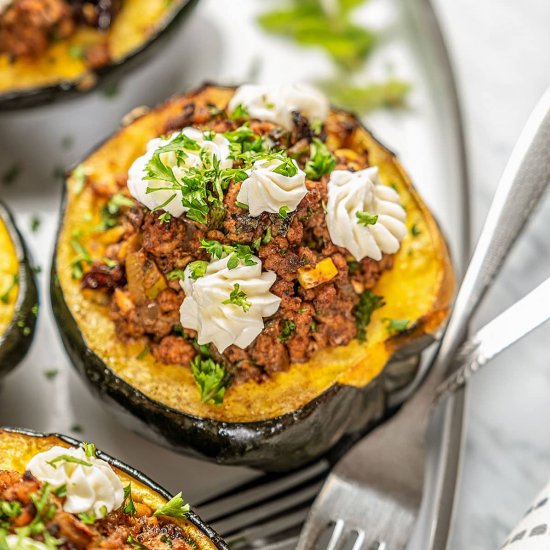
(132, 472)
(34, 97)
(14, 343)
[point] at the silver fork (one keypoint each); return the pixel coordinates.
(372, 497)
(384, 473)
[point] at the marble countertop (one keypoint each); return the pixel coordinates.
(501, 51)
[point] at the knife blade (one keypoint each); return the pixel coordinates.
(507, 328)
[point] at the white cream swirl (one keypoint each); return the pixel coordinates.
(362, 191)
(93, 488)
(223, 324)
(277, 104)
(267, 191)
(218, 147)
(16, 542)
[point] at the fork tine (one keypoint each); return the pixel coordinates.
(261, 490)
(336, 536)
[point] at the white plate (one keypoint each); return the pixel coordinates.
(221, 45)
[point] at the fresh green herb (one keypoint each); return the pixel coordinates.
(50, 374)
(366, 218)
(288, 330)
(267, 236)
(176, 275)
(368, 303)
(11, 174)
(88, 518)
(306, 22)
(143, 353)
(37, 269)
(89, 449)
(82, 257)
(165, 539)
(238, 253)
(103, 511)
(112, 210)
(238, 298)
(67, 458)
(395, 326)
(34, 310)
(61, 491)
(239, 113)
(241, 205)
(45, 510)
(76, 51)
(197, 269)
(287, 167)
(10, 509)
(35, 223)
(415, 231)
(165, 217)
(128, 503)
(353, 266)
(79, 177)
(211, 379)
(175, 508)
(321, 160)
(5, 297)
(283, 212)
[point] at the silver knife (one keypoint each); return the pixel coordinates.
(503, 331)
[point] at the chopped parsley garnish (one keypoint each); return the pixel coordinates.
(241, 205)
(368, 303)
(61, 491)
(79, 176)
(135, 543)
(288, 330)
(211, 379)
(89, 449)
(395, 326)
(10, 509)
(88, 518)
(67, 458)
(82, 257)
(165, 539)
(128, 502)
(283, 212)
(239, 113)
(238, 253)
(176, 275)
(143, 353)
(267, 237)
(287, 167)
(238, 298)
(76, 51)
(366, 218)
(321, 160)
(197, 269)
(415, 231)
(5, 297)
(175, 508)
(165, 217)
(35, 223)
(112, 210)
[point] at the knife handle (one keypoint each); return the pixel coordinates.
(521, 186)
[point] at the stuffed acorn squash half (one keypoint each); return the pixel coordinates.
(248, 273)
(56, 492)
(18, 295)
(51, 47)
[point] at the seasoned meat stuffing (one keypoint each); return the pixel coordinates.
(27, 27)
(118, 529)
(156, 249)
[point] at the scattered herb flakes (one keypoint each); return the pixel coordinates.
(88, 518)
(89, 449)
(37, 269)
(50, 374)
(283, 212)
(34, 310)
(415, 231)
(79, 177)
(68, 459)
(128, 503)
(368, 303)
(35, 223)
(321, 160)
(238, 298)
(143, 353)
(5, 296)
(76, 51)
(175, 508)
(211, 379)
(176, 275)
(10, 176)
(366, 218)
(396, 326)
(197, 269)
(288, 330)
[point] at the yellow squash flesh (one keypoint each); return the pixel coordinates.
(9, 269)
(418, 288)
(135, 23)
(16, 449)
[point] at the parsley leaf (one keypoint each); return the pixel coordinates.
(176, 275)
(128, 502)
(283, 212)
(67, 458)
(395, 326)
(368, 303)
(238, 298)
(5, 297)
(240, 112)
(365, 218)
(211, 379)
(87, 517)
(197, 269)
(289, 329)
(321, 160)
(175, 508)
(89, 449)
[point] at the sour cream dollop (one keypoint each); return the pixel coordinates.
(92, 489)
(218, 147)
(224, 324)
(15, 542)
(362, 191)
(267, 191)
(276, 104)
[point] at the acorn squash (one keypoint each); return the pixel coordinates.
(296, 415)
(18, 446)
(18, 295)
(61, 68)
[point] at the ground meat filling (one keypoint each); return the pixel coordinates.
(307, 321)
(27, 27)
(117, 530)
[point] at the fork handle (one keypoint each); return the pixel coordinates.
(525, 178)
